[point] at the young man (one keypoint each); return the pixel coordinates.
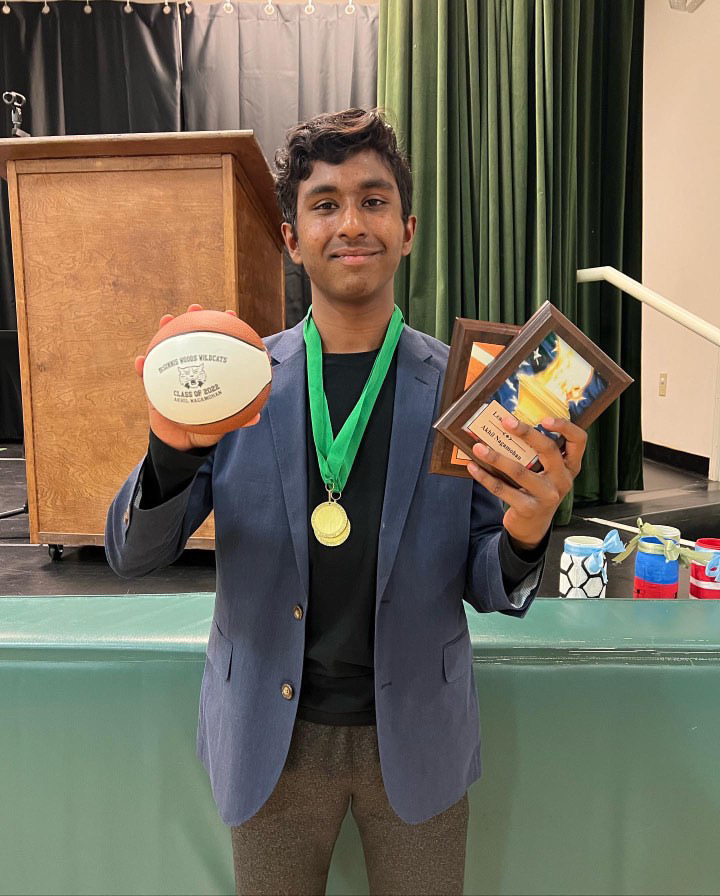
(339, 665)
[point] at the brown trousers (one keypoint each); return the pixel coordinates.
(287, 846)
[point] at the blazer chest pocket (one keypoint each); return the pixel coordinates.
(219, 652)
(457, 657)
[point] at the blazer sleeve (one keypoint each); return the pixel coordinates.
(138, 541)
(484, 586)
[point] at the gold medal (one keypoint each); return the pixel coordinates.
(338, 540)
(330, 523)
(328, 519)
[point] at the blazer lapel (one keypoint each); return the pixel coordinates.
(415, 394)
(287, 415)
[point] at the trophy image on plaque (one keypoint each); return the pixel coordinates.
(559, 389)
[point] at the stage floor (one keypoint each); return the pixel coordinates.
(671, 496)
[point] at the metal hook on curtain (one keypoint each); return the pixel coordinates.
(188, 7)
(166, 8)
(269, 8)
(310, 8)
(228, 7)
(350, 8)
(128, 7)
(87, 9)
(46, 9)
(5, 8)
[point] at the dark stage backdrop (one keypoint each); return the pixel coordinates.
(108, 72)
(117, 72)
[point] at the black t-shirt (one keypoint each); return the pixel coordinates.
(338, 682)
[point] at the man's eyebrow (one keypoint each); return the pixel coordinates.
(376, 184)
(373, 184)
(321, 188)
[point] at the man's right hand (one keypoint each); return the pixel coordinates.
(171, 433)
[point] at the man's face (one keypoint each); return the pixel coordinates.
(350, 232)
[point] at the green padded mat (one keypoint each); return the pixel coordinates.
(600, 728)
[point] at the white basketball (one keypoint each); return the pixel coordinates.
(204, 379)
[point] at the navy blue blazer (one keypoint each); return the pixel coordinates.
(438, 544)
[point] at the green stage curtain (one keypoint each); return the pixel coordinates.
(522, 120)
(609, 220)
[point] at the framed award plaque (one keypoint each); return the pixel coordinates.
(551, 369)
(475, 344)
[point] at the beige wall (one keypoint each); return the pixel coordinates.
(681, 215)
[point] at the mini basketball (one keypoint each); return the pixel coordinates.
(207, 372)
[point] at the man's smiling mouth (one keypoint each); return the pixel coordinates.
(354, 256)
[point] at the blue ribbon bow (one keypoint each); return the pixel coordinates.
(712, 570)
(612, 544)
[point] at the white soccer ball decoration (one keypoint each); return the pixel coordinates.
(576, 580)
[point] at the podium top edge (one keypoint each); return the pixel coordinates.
(242, 144)
(125, 144)
(122, 144)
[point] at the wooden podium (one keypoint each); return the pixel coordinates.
(108, 234)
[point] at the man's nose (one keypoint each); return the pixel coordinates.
(352, 223)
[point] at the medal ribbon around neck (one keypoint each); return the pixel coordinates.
(336, 455)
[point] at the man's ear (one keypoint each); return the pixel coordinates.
(409, 234)
(288, 234)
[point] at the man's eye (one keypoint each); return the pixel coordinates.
(325, 206)
(373, 203)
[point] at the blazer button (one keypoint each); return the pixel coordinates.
(287, 691)
(298, 611)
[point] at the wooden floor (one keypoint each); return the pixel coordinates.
(670, 497)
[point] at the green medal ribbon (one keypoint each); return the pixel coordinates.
(336, 455)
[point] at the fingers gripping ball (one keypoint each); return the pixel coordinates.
(207, 372)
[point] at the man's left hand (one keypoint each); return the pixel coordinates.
(535, 497)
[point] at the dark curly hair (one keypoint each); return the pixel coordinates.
(333, 137)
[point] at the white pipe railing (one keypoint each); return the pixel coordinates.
(679, 315)
(653, 299)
